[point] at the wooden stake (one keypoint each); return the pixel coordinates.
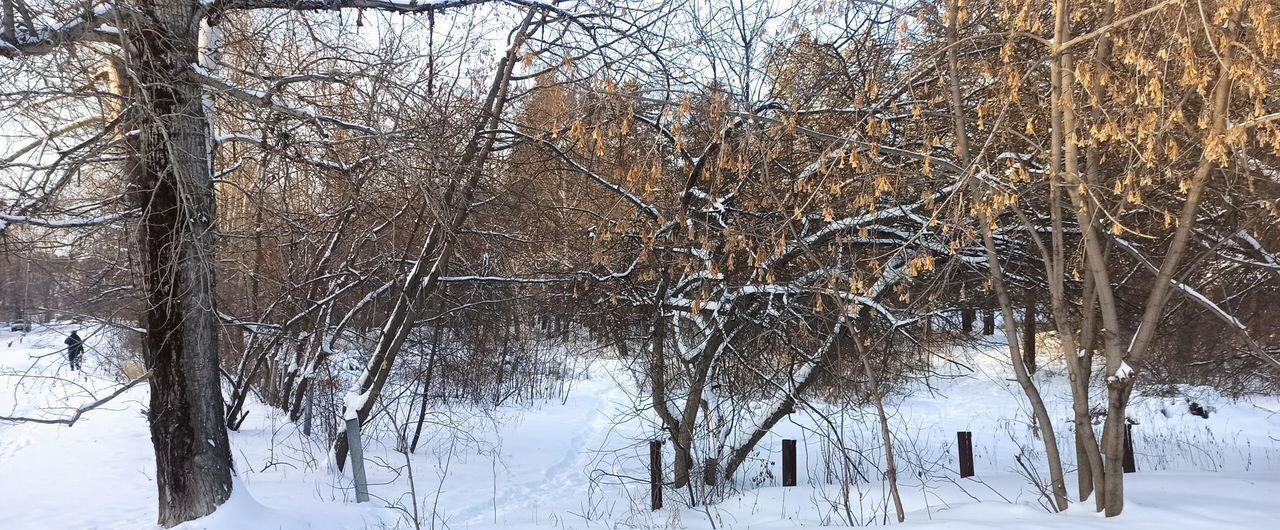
(788, 463)
(964, 441)
(655, 475)
(1130, 466)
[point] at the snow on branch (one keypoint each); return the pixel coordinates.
(368, 299)
(892, 276)
(38, 142)
(1241, 330)
(644, 207)
(857, 222)
(320, 163)
(501, 279)
(394, 6)
(6, 220)
(1271, 259)
(44, 39)
(785, 396)
(1190, 292)
(1255, 122)
(1123, 373)
(302, 112)
(1208, 304)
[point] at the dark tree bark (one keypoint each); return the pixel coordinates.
(1029, 333)
(171, 183)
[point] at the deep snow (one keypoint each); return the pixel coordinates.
(580, 464)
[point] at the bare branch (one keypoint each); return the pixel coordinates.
(80, 411)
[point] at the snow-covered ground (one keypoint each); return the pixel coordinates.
(581, 463)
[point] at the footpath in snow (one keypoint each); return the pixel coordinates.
(581, 463)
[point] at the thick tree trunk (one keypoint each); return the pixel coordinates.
(1113, 444)
(658, 381)
(684, 455)
(699, 379)
(1089, 463)
(1119, 355)
(1063, 174)
(169, 167)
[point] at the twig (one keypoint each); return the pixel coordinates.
(80, 411)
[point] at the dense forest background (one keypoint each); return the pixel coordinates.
(758, 201)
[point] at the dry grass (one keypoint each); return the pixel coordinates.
(132, 369)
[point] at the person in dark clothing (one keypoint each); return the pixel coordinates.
(75, 349)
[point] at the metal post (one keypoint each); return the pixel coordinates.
(26, 296)
(357, 460)
(1130, 466)
(788, 463)
(306, 412)
(655, 474)
(964, 441)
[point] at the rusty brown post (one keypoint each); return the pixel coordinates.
(788, 463)
(655, 474)
(1130, 466)
(964, 440)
